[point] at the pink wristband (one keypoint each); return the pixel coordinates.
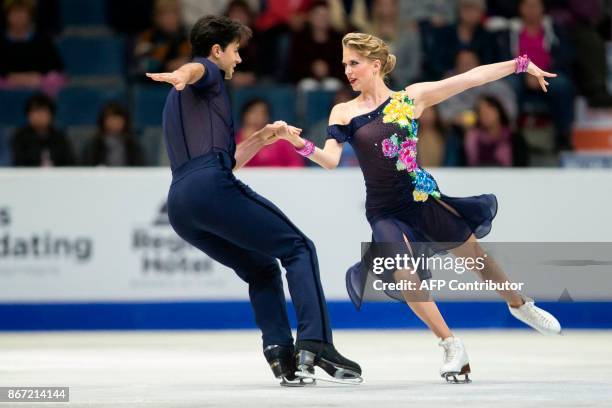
(308, 148)
(522, 63)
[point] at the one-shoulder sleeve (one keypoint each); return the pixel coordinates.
(212, 75)
(342, 133)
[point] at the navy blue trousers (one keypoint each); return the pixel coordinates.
(218, 214)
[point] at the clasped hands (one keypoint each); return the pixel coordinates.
(280, 130)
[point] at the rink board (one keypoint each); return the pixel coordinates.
(239, 315)
(92, 248)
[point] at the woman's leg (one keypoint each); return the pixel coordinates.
(426, 310)
(491, 271)
(524, 309)
(420, 303)
(455, 359)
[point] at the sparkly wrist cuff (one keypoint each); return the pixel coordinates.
(522, 63)
(308, 148)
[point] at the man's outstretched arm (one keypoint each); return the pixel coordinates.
(187, 74)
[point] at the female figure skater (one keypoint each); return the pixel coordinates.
(215, 212)
(404, 204)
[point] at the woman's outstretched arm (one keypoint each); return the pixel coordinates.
(329, 156)
(428, 94)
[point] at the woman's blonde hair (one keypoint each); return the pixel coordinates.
(371, 47)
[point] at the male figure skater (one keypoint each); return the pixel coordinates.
(215, 212)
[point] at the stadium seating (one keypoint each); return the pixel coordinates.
(151, 142)
(79, 137)
(80, 106)
(148, 103)
(282, 99)
(86, 56)
(5, 147)
(317, 106)
(80, 12)
(13, 107)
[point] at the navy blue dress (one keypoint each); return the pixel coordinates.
(402, 199)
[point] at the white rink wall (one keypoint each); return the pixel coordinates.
(100, 234)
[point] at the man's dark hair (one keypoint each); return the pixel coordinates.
(40, 101)
(211, 30)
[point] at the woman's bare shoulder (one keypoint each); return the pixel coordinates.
(342, 113)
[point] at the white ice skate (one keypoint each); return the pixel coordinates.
(535, 317)
(456, 362)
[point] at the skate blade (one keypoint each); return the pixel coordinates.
(349, 381)
(300, 382)
(451, 377)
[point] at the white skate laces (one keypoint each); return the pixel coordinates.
(455, 361)
(536, 318)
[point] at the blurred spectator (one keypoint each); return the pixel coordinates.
(47, 17)
(40, 143)
(489, 143)
(403, 39)
(246, 73)
(317, 132)
(458, 110)
(409, 59)
(435, 147)
(385, 22)
(282, 12)
(129, 17)
(255, 115)
(535, 34)
(605, 26)
(591, 67)
(467, 33)
(114, 143)
(192, 10)
(276, 21)
(165, 46)
(502, 8)
(29, 59)
(425, 17)
(316, 52)
(349, 15)
(435, 13)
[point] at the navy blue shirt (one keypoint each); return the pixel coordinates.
(198, 119)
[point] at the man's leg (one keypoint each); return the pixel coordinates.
(263, 275)
(254, 223)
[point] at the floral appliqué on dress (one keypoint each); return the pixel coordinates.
(400, 110)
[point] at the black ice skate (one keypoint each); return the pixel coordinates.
(282, 363)
(315, 353)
